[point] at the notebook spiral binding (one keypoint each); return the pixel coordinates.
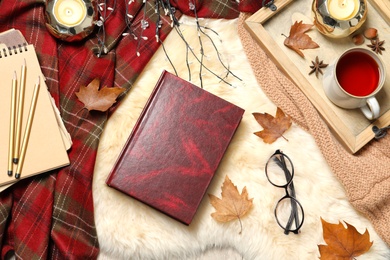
(13, 50)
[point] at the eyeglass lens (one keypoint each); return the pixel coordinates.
(279, 170)
(289, 214)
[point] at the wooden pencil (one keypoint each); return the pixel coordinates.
(27, 132)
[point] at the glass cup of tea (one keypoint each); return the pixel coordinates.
(353, 80)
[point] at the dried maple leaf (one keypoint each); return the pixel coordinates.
(95, 99)
(298, 40)
(274, 127)
(232, 205)
(343, 243)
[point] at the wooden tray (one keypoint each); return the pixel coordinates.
(351, 128)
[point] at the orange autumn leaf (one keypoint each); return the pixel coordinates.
(232, 205)
(274, 127)
(94, 98)
(298, 39)
(343, 243)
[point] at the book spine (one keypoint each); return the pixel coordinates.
(135, 128)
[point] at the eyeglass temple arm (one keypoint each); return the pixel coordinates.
(294, 208)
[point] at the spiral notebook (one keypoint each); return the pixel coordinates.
(47, 144)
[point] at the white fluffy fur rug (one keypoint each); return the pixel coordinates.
(128, 229)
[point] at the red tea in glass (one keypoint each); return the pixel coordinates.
(358, 73)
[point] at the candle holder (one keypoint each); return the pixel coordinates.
(335, 26)
(70, 20)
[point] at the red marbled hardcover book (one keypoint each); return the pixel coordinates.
(175, 147)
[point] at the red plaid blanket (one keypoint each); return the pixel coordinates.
(51, 216)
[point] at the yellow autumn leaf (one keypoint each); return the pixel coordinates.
(232, 205)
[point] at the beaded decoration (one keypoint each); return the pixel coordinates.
(105, 12)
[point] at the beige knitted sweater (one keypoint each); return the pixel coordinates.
(365, 175)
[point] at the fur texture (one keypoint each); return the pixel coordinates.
(128, 229)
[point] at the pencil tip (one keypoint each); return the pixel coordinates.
(15, 160)
(17, 175)
(14, 74)
(38, 80)
(9, 173)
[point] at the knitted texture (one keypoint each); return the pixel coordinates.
(364, 175)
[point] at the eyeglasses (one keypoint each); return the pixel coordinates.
(288, 211)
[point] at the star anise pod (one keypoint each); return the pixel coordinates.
(317, 66)
(377, 46)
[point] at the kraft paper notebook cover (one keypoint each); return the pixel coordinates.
(46, 148)
(175, 147)
(9, 38)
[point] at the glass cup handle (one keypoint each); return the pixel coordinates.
(371, 109)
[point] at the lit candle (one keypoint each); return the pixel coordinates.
(70, 12)
(343, 9)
